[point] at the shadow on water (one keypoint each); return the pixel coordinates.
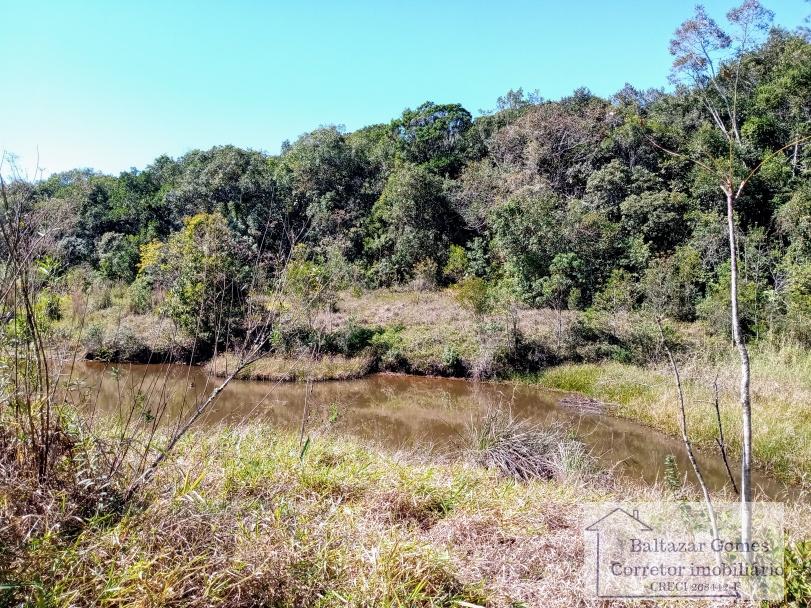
(395, 411)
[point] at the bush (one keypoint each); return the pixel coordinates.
(141, 295)
(634, 339)
(102, 297)
(118, 256)
(715, 308)
(474, 294)
(798, 309)
(456, 266)
(351, 339)
(388, 346)
(619, 294)
(119, 345)
(452, 361)
(520, 449)
(425, 275)
(672, 285)
(204, 269)
(294, 338)
(50, 305)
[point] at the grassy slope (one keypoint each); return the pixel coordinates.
(240, 517)
(781, 393)
(433, 323)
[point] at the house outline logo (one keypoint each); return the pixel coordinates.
(600, 524)
(595, 527)
(632, 519)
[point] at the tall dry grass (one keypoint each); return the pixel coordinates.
(781, 397)
(523, 450)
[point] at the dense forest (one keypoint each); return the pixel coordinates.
(647, 256)
(576, 203)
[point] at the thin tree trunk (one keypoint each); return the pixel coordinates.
(178, 435)
(794, 157)
(688, 446)
(746, 405)
(722, 445)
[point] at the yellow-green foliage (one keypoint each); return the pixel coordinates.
(150, 254)
(473, 293)
(296, 369)
(246, 517)
(781, 396)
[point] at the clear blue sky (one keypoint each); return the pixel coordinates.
(112, 85)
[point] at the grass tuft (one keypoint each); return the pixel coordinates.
(522, 450)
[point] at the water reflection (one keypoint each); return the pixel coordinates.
(394, 411)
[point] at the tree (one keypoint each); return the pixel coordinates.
(711, 60)
(526, 237)
(237, 184)
(557, 288)
(411, 221)
(328, 181)
(433, 135)
(203, 269)
(118, 256)
(553, 144)
(658, 217)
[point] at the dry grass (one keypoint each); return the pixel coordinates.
(781, 395)
(435, 327)
(433, 308)
(523, 450)
(244, 518)
(281, 369)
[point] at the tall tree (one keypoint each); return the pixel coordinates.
(711, 61)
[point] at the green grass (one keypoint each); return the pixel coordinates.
(296, 369)
(245, 517)
(240, 517)
(781, 394)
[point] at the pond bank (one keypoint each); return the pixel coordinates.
(397, 411)
(246, 514)
(430, 334)
(781, 394)
(295, 369)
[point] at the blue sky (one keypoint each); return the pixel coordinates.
(112, 85)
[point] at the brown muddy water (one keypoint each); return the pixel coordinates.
(393, 412)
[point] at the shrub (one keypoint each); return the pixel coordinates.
(388, 346)
(141, 294)
(350, 339)
(456, 266)
(118, 256)
(520, 449)
(619, 294)
(94, 341)
(203, 267)
(452, 361)
(50, 305)
(715, 309)
(798, 308)
(474, 294)
(425, 275)
(103, 297)
(597, 336)
(672, 285)
(294, 338)
(312, 283)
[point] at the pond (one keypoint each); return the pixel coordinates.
(395, 412)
